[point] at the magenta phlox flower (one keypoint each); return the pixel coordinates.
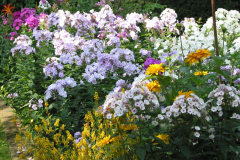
(16, 15)
(27, 12)
(150, 61)
(17, 23)
(32, 22)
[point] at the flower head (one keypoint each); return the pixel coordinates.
(7, 9)
(201, 73)
(187, 94)
(155, 69)
(199, 55)
(154, 86)
(164, 137)
(104, 141)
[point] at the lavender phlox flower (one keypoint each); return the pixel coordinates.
(41, 36)
(123, 54)
(83, 24)
(53, 69)
(130, 68)
(113, 41)
(226, 68)
(23, 45)
(120, 84)
(104, 16)
(58, 87)
(12, 95)
(237, 81)
(167, 55)
(236, 72)
(35, 103)
(145, 53)
(63, 42)
(91, 49)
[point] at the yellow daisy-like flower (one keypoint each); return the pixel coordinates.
(201, 73)
(164, 137)
(155, 69)
(199, 55)
(104, 141)
(154, 86)
(187, 94)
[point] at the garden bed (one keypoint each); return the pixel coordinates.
(151, 86)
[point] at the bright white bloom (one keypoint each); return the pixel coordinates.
(43, 5)
(155, 123)
(197, 128)
(197, 134)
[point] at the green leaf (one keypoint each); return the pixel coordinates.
(132, 136)
(114, 135)
(141, 153)
(184, 69)
(224, 148)
(120, 158)
(218, 60)
(185, 151)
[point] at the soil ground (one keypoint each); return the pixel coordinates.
(7, 114)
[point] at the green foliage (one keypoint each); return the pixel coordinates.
(4, 150)
(197, 9)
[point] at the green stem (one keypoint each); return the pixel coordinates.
(181, 47)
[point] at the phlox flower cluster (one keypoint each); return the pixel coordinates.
(23, 45)
(34, 104)
(226, 68)
(134, 100)
(70, 58)
(64, 42)
(91, 49)
(43, 20)
(183, 104)
(117, 59)
(77, 137)
(223, 94)
(166, 56)
(12, 95)
(81, 22)
(42, 36)
(58, 87)
(53, 69)
(194, 37)
(25, 16)
(169, 19)
(145, 53)
(122, 84)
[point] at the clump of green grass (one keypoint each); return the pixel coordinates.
(4, 150)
